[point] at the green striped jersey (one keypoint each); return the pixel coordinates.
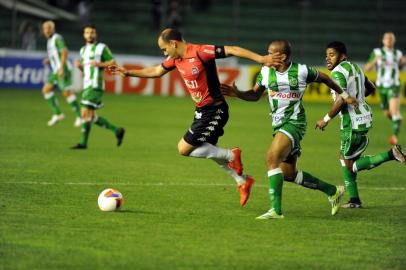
(387, 66)
(55, 45)
(93, 77)
(351, 79)
(285, 92)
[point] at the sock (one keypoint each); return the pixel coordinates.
(369, 162)
(74, 104)
(53, 102)
(240, 179)
(207, 150)
(102, 122)
(350, 181)
(86, 126)
(396, 120)
(309, 181)
(275, 189)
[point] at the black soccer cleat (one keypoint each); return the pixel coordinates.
(79, 146)
(120, 135)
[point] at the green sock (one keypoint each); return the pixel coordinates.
(350, 181)
(369, 162)
(102, 122)
(275, 189)
(396, 126)
(53, 103)
(309, 181)
(86, 126)
(72, 101)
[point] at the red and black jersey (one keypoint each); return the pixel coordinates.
(199, 72)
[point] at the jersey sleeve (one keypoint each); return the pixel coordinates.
(371, 57)
(312, 74)
(60, 43)
(339, 78)
(106, 54)
(168, 64)
(211, 52)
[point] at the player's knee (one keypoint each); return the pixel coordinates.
(272, 161)
(183, 151)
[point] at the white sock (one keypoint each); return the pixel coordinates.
(207, 150)
(240, 179)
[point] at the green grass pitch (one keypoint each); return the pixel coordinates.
(183, 213)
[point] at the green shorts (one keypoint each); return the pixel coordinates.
(63, 83)
(92, 98)
(295, 132)
(386, 93)
(353, 143)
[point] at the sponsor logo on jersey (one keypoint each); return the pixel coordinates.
(196, 96)
(208, 51)
(283, 95)
(195, 70)
(293, 82)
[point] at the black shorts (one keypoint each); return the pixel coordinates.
(207, 125)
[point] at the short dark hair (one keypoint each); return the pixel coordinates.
(285, 47)
(89, 25)
(171, 34)
(338, 46)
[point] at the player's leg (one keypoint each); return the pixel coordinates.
(87, 115)
(384, 101)
(394, 110)
(351, 184)
(65, 84)
(49, 95)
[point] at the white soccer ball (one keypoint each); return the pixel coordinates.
(110, 200)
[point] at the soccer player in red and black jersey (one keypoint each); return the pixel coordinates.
(196, 65)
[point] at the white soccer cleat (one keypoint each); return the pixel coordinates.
(55, 119)
(271, 214)
(398, 154)
(78, 122)
(335, 199)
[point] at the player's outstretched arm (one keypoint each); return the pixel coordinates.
(334, 110)
(268, 60)
(324, 78)
(148, 72)
(249, 95)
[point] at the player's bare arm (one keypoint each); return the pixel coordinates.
(103, 64)
(335, 109)
(324, 78)
(64, 56)
(148, 72)
(369, 66)
(269, 60)
(249, 95)
(369, 87)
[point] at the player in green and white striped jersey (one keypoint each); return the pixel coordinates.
(355, 122)
(61, 75)
(286, 85)
(94, 57)
(387, 61)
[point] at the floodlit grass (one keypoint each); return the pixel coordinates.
(182, 213)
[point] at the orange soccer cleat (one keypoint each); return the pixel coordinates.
(245, 190)
(236, 163)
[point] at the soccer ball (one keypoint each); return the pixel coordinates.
(110, 200)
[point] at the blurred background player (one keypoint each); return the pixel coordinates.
(94, 57)
(355, 122)
(286, 85)
(387, 61)
(196, 64)
(61, 75)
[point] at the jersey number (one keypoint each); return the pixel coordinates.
(191, 84)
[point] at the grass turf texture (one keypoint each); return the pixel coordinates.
(182, 213)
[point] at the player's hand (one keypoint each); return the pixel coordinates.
(321, 124)
(117, 70)
(45, 61)
(229, 90)
(352, 101)
(61, 72)
(93, 63)
(272, 60)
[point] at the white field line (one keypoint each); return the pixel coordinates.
(112, 184)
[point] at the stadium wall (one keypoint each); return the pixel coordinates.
(23, 70)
